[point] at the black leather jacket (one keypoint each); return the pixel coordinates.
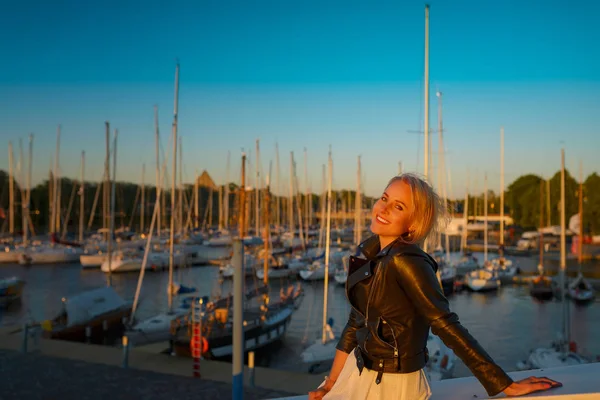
(395, 298)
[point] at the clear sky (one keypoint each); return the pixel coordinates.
(304, 74)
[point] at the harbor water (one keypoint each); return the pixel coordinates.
(507, 323)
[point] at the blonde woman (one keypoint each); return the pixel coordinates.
(396, 298)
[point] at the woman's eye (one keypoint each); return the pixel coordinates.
(399, 208)
(383, 198)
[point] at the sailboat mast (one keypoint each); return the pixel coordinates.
(143, 200)
(173, 191)
(291, 201)
(111, 210)
(242, 209)
(226, 216)
(105, 199)
(502, 190)
(28, 195)
(306, 197)
(11, 191)
(580, 247)
(541, 235)
(257, 192)
(82, 197)
(426, 106)
(485, 219)
(466, 216)
(563, 252)
(327, 245)
(158, 185)
(278, 183)
(58, 185)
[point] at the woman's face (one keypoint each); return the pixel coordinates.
(392, 213)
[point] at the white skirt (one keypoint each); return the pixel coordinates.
(352, 386)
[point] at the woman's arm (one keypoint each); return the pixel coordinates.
(416, 276)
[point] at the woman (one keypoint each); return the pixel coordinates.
(396, 298)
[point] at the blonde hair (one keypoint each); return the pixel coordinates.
(429, 215)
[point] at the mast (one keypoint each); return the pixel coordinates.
(466, 215)
(563, 253)
(291, 201)
(442, 171)
(58, 186)
(82, 197)
(426, 106)
(257, 192)
(220, 207)
(242, 214)
(580, 247)
(173, 191)
(180, 186)
(306, 200)
(502, 191)
(541, 235)
(111, 228)
(28, 195)
(158, 184)
(278, 208)
(327, 245)
(106, 196)
(11, 191)
(226, 216)
(266, 233)
(358, 208)
(485, 219)
(143, 201)
(196, 200)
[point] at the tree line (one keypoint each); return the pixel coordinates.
(526, 200)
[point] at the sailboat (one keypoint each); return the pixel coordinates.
(580, 289)
(542, 287)
(324, 348)
(265, 321)
(562, 352)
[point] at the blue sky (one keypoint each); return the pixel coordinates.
(305, 75)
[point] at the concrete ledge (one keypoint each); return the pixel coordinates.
(147, 360)
(580, 382)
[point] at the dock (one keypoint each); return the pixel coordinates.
(97, 372)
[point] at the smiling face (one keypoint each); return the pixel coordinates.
(393, 213)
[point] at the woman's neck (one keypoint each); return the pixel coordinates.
(384, 241)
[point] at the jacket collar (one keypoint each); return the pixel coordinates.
(371, 248)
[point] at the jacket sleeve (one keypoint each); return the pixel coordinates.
(416, 276)
(348, 341)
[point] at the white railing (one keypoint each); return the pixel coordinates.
(580, 382)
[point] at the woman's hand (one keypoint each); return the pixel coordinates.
(530, 385)
(322, 390)
(317, 394)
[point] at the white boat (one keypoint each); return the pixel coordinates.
(551, 357)
(10, 254)
(465, 265)
(157, 328)
(341, 274)
(441, 359)
(220, 241)
(581, 290)
(49, 255)
(482, 280)
(316, 271)
(130, 262)
(285, 267)
(504, 268)
(250, 264)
